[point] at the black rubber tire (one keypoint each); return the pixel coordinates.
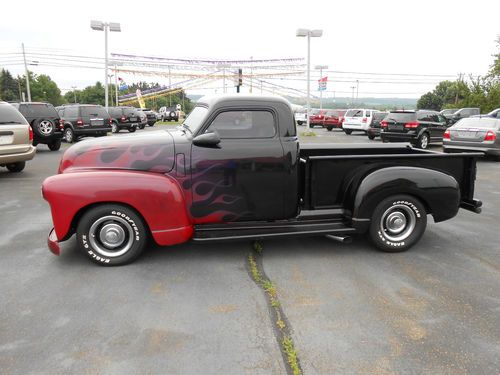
(329, 128)
(300, 123)
(131, 130)
(141, 126)
(420, 143)
(69, 135)
(399, 203)
(126, 218)
(372, 137)
(348, 131)
(172, 115)
(55, 145)
(152, 124)
(114, 128)
(39, 125)
(16, 167)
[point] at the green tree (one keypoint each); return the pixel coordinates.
(9, 88)
(42, 88)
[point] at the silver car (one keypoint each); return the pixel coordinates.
(474, 134)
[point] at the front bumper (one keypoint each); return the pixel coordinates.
(53, 243)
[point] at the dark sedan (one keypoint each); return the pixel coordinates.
(474, 134)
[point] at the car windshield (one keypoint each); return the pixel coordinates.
(94, 111)
(194, 120)
(401, 116)
(10, 115)
(471, 122)
(354, 113)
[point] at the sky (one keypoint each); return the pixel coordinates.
(428, 40)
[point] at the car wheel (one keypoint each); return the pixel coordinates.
(114, 128)
(142, 126)
(16, 167)
(172, 115)
(372, 137)
(423, 141)
(131, 130)
(300, 122)
(397, 223)
(69, 135)
(348, 131)
(153, 124)
(43, 127)
(329, 128)
(111, 235)
(55, 146)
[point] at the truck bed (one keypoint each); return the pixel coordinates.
(327, 169)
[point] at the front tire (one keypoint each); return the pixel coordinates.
(131, 130)
(55, 146)
(397, 223)
(114, 128)
(16, 167)
(111, 235)
(329, 128)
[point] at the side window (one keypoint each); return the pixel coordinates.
(71, 112)
(244, 124)
(441, 118)
(358, 114)
(434, 117)
(423, 116)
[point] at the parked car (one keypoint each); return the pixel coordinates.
(448, 111)
(334, 118)
(301, 116)
(374, 129)
(44, 121)
(151, 116)
(235, 170)
(317, 117)
(123, 117)
(143, 118)
(358, 119)
(474, 134)
(169, 114)
(84, 120)
(462, 113)
(495, 114)
(417, 127)
(16, 139)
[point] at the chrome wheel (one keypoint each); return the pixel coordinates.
(111, 236)
(398, 222)
(114, 128)
(45, 127)
(68, 135)
(424, 141)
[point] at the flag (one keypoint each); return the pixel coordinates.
(322, 83)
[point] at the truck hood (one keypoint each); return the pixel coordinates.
(151, 151)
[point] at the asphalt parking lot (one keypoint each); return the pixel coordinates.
(193, 309)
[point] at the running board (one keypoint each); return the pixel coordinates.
(256, 230)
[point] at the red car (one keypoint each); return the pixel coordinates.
(334, 118)
(317, 117)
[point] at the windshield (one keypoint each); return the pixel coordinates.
(471, 122)
(10, 115)
(401, 116)
(194, 120)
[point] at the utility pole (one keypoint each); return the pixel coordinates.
(74, 92)
(458, 82)
(116, 87)
(321, 67)
(169, 87)
(352, 98)
(357, 89)
(27, 75)
(251, 74)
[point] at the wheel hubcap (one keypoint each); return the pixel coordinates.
(398, 222)
(111, 236)
(69, 136)
(45, 127)
(424, 141)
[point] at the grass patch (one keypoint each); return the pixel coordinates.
(291, 355)
(254, 270)
(308, 133)
(167, 123)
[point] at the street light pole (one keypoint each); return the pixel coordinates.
(309, 34)
(321, 67)
(27, 75)
(74, 92)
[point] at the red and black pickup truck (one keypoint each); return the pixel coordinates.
(235, 170)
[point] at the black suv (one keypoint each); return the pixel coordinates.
(374, 129)
(123, 118)
(84, 120)
(417, 127)
(150, 115)
(45, 122)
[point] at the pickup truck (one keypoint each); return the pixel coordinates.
(234, 170)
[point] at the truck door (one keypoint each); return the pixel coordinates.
(243, 177)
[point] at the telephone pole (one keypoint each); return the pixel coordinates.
(27, 75)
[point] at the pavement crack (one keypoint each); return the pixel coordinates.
(281, 325)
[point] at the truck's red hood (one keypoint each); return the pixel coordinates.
(151, 151)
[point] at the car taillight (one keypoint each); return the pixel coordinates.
(446, 134)
(490, 136)
(110, 121)
(123, 119)
(61, 124)
(411, 125)
(364, 120)
(79, 122)
(383, 124)
(31, 134)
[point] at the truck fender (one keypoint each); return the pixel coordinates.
(438, 192)
(156, 197)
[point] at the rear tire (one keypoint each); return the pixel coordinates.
(348, 131)
(69, 135)
(111, 235)
(16, 167)
(114, 128)
(55, 146)
(423, 141)
(131, 130)
(397, 223)
(372, 137)
(329, 128)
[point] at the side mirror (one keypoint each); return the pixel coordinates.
(207, 140)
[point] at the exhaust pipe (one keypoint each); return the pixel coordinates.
(342, 239)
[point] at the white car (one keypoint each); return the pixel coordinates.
(358, 119)
(301, 117)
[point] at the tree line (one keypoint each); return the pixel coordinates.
(44, 89)
(477, 92)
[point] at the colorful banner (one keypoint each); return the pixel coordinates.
(140, 99)
(322, 83)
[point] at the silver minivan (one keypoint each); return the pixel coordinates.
(358, 119)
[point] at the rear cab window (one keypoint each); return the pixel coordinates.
(244, 124)
(39, 110)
